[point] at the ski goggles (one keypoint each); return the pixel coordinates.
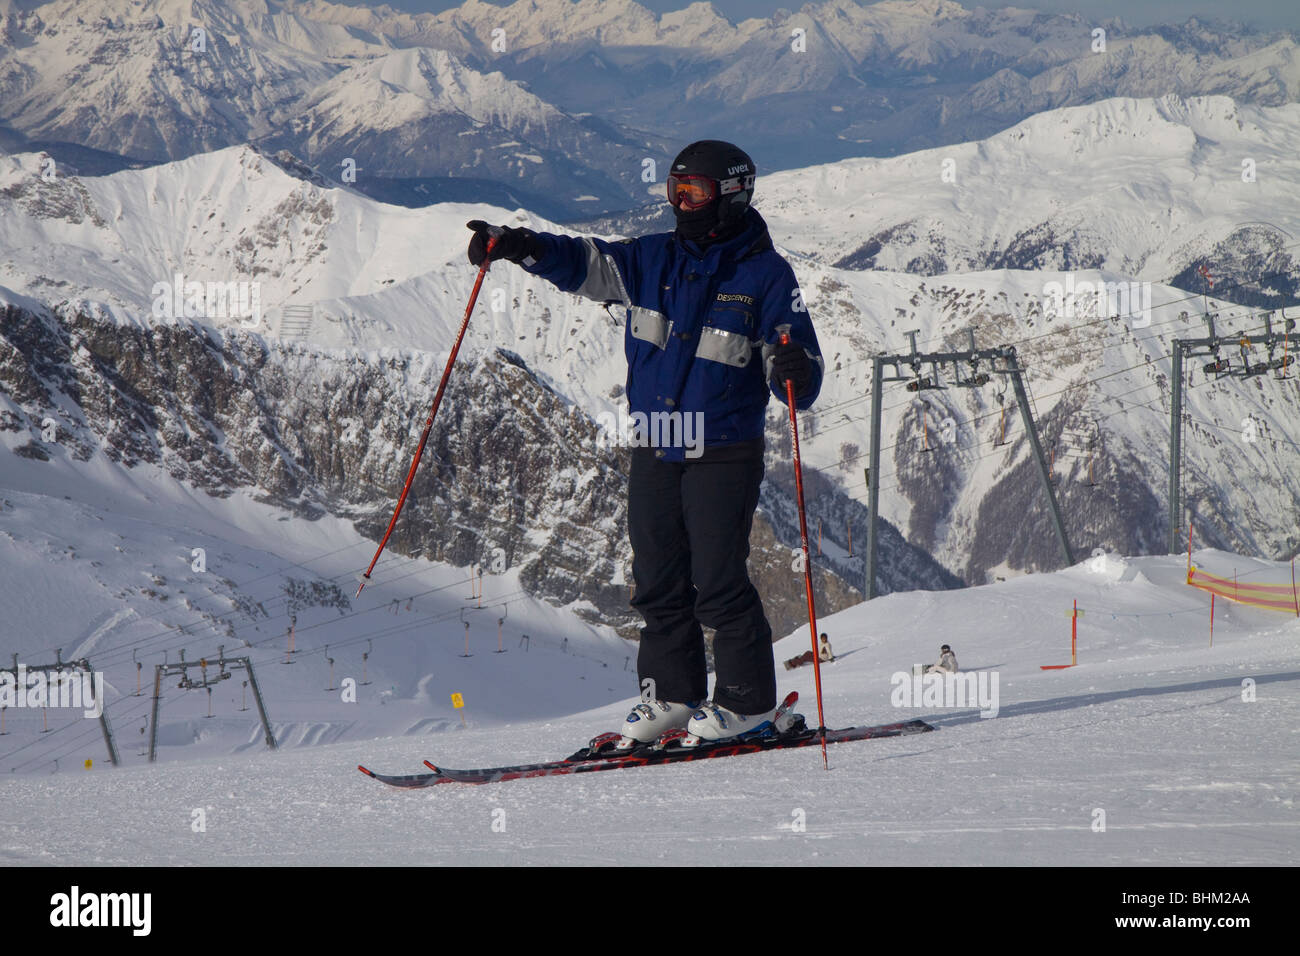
(692, 192)
(695, 192)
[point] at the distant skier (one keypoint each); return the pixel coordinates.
(824, 652)
(706, 306)
(947, 663)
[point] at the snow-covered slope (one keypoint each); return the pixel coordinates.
(128, 565)
(1187, 749)
(321, 418)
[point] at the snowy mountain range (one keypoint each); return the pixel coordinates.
(173, 78)
(1147, 188)
(556, 105)
(1153, 189)
(383, 287)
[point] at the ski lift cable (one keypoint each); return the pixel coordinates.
(854, 486)
(980, 417)
(1037, 358)
(127, 709)
(941, 338)
(1189, 297)
(173, 641)
(1029, 358)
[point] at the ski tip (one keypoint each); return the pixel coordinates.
(432, 767)
(368, 773)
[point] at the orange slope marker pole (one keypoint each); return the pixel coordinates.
(1295, 600)
(1074, 614)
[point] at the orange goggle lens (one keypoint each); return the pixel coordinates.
(691, 192)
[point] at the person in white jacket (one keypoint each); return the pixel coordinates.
(824, 652)
(947, 662)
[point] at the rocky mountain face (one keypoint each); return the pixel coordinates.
(514, 475)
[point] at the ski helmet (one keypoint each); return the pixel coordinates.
(710, 186)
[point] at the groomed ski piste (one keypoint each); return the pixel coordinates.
(1156, 749)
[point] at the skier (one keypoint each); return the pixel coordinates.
(707, 305)
(947, 662)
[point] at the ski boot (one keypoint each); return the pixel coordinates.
(712, 723)
(648, 721)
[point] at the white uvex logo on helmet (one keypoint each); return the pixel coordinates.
(742, 168)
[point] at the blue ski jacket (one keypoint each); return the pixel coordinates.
(702, 325)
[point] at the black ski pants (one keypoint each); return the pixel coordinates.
(689, 523)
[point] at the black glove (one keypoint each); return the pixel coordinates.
(513, 244)
(791, 362)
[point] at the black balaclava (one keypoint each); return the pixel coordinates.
(733, 170)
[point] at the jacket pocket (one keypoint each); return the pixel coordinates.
(649, 326)
(729, 348)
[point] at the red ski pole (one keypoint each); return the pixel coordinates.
(437, 400)
(807, 563)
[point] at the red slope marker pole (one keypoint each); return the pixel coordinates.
(428, 425)
(807, 562)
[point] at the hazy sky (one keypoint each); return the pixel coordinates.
(1272, 14)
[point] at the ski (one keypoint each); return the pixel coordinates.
(646, 756)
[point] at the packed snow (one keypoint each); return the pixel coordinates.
(1158, 748)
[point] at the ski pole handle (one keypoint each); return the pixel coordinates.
(789, 382)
